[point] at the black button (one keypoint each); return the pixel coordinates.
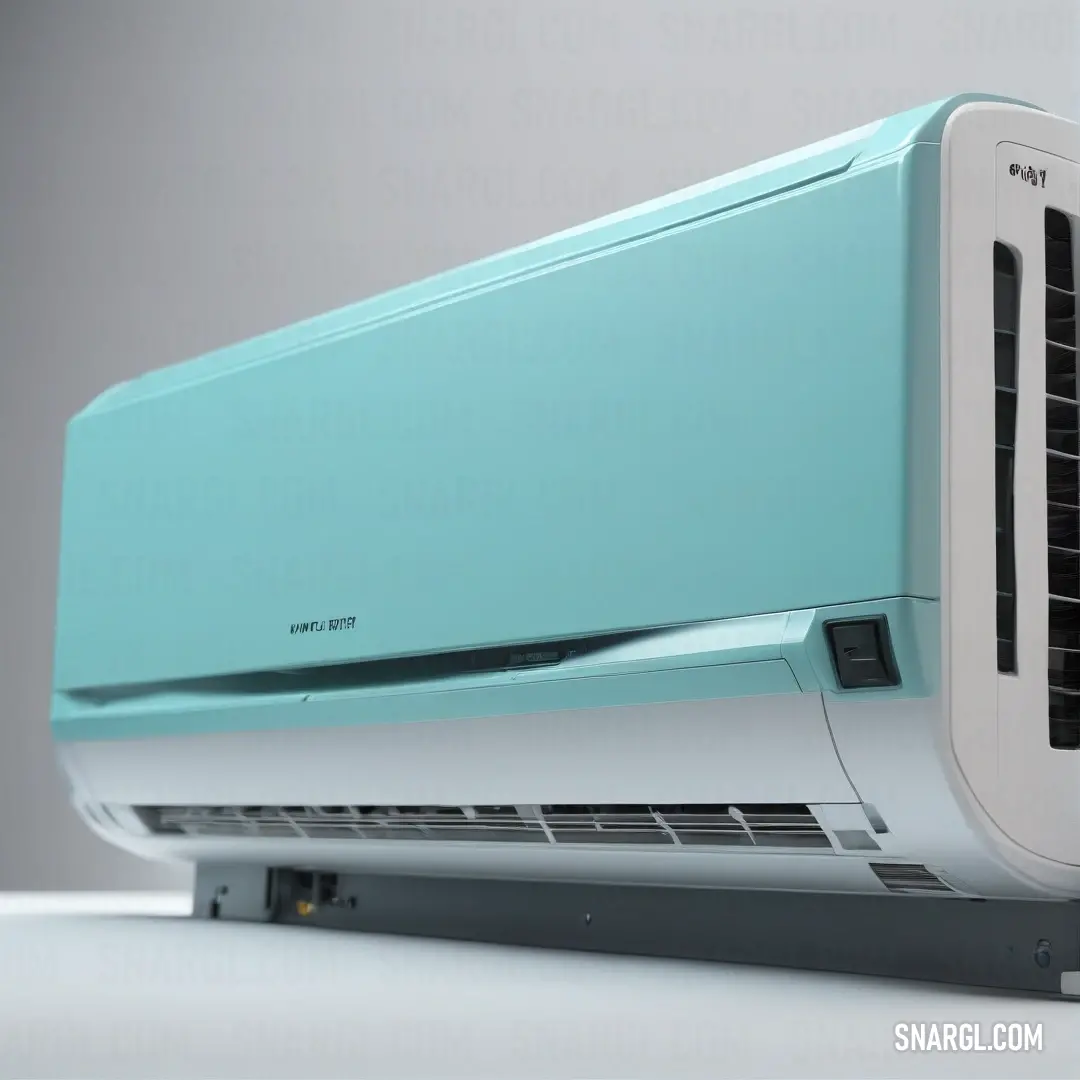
(862, 653)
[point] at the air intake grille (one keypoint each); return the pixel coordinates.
(1062, 485)
(908, 878)
(750, 827)
(1006, 309)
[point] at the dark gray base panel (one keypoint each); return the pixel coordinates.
(996, 944)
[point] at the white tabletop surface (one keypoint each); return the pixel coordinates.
(115, 986)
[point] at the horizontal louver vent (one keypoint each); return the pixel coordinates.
(498, 823)
(908, 878)
(749, 827)
(1062, 485)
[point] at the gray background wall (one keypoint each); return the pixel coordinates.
(177, 176)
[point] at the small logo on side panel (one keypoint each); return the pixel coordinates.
(1029, 174)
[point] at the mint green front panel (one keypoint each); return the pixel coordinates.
(709, 423)
(923, 124)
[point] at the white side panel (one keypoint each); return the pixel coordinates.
(898, 755)
(1050, 822)
(761, 749)
(1026, 795)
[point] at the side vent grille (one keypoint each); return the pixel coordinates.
(909, 878)
(750, 827)
(1062, 485)
(1006, 311)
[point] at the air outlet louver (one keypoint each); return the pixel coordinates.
(908, 878)
(1006, 312)
(671, 825)
(690, 825)
(605, 825)
(1062, 484)
(497, 823)
(764, 826)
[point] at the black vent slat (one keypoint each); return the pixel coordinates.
(1063, 649)
(1058, 227)
(1062, 480)
(1059, 252)
(1004, 616)
(1061, 372)
(1064, 720)
(1063, 525)
(1063, 571)
(1064, 670)
(1064, 625)
(1059, 279)
(1006, 315)
(1062, 486)
(1003, 480)
(1006, 302)
(1004, 261)
(1061, 386)
(1005, 572)
(1061, 331)
(1005, 417)
(1064, 727)
(1062, 426)
(1060, 304)
(1004, 360)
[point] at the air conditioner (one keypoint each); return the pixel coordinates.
(731, 542)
